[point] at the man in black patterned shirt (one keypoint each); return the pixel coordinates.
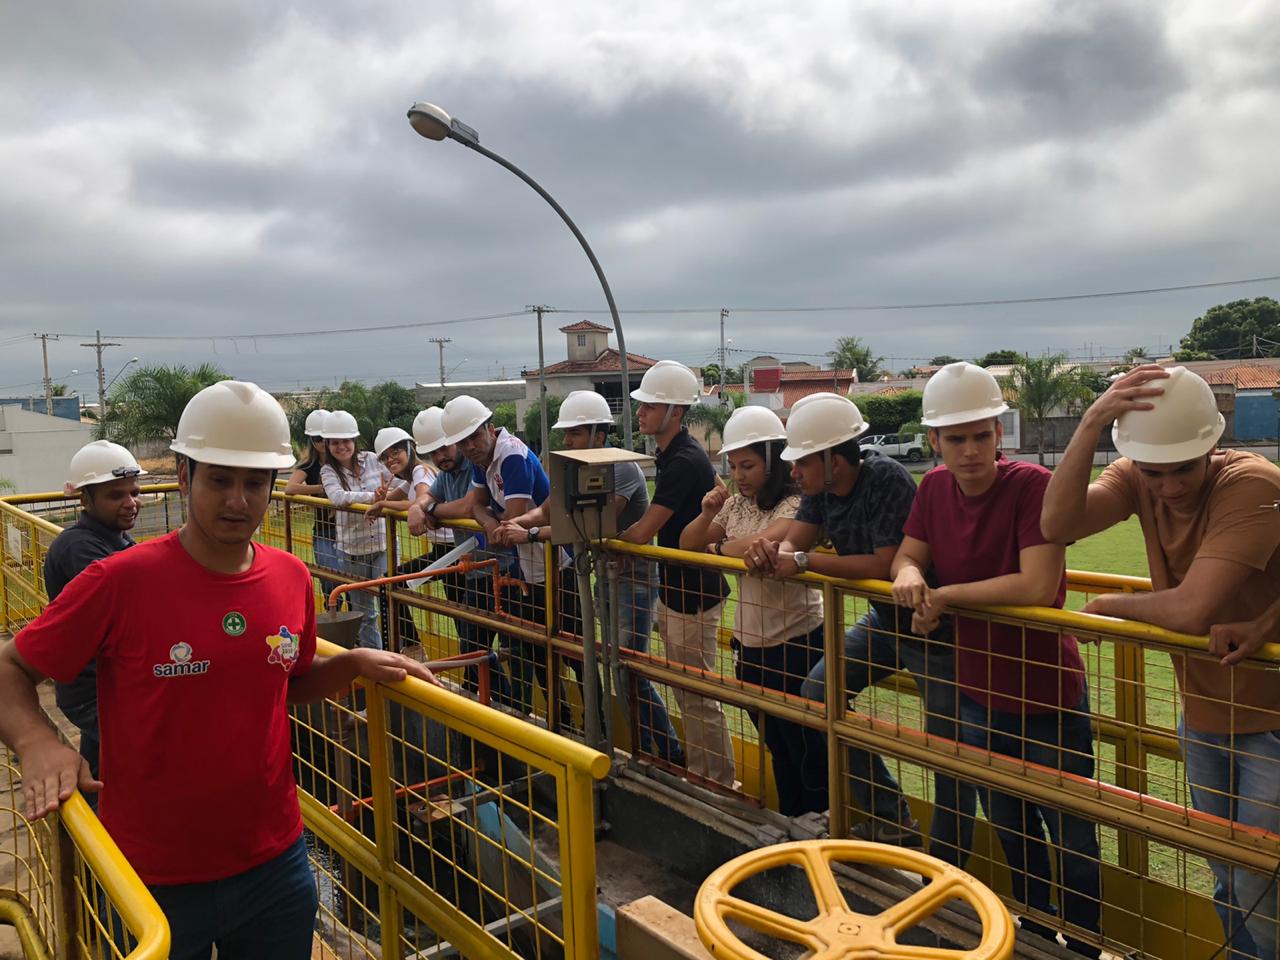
(860, 502)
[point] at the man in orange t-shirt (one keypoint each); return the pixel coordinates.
(1213, 558)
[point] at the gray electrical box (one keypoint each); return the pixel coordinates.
(582, 493)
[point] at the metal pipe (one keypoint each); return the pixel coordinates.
(590, 667)
(613, 641)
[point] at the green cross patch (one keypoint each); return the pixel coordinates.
(234, 624)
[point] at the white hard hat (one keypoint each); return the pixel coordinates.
(748, 425)
(668, 381)
(340, 425)
(389, 437)
(315, 423)
(1184, 422)
(961, 392)
(461, 417)
(235, 424)
(819, 422)
(583, 408)
(428, 432)
(100, 462)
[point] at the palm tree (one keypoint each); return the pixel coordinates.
(1042, 385)
(852, 354)
(146, 404)
(712, 417)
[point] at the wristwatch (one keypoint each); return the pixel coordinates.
(431, 507)
(802, 561)
(533, 534)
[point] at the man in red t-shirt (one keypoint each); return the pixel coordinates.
(976, 522)
(202, 638)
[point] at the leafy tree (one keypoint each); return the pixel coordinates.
(504, 415)
(999, 358)
(533, 425)
(852, 354)
(1043, 385)
(914, 427)
(60, 390)
(712, 417)
(711, 374)
(1134, 354)
(146, 404)
(1238, 328)
(942, 359)
(1093, 382)
(1185, 356)
(885, 412)
(387, 404)
(6, 485)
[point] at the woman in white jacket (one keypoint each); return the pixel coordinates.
(351, 475)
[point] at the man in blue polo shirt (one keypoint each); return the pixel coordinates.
(105, 475)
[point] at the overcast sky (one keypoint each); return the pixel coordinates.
(213, 168)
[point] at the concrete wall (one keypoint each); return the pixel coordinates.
(66, 407)
(35, 448)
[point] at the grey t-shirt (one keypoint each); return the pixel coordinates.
(629, 482)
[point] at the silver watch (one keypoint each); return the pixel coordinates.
(802, 561)
(533, 534)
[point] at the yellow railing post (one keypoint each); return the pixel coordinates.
(384, 805)
(578, 866)
(4, 572)
(833, 656)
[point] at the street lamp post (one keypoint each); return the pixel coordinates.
(434, 123)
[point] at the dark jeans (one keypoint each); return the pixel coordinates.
(266, 913)
(798, 753)
(872, 654)
(1061, 740)
(529, 657)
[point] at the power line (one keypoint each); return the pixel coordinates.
(992, 302)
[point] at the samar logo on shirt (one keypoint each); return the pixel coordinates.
(180, 663)
(283, 648)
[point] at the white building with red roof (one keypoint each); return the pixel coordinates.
(590, 364)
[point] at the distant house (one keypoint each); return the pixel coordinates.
(590, 364)
(65, 407)
(36, 448)
(1246, 395)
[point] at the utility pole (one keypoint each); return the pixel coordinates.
(724, 315)
(440, 342)
(99, 345)
(540, 309)
(44, 339)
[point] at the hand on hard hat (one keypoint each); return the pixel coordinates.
(100, 462)
(1181, 423)
(235, 423)
(1131, 391)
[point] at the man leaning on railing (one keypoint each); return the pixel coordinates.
(1214, 559)
(976, 522)
(202, 639)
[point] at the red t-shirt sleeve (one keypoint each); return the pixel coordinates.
(1030, 504)
(307, 642)
(917, 525)
(73, 628)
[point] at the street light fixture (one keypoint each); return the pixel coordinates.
(435, 123)
(127, 365)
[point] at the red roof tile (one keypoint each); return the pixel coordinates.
(1246, 376)
(586, 326)
(609, 361)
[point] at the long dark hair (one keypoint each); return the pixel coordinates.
(778, 484)
(412, 462)
(331, 461)
(314, 456)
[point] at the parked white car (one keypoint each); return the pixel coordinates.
(902, 446)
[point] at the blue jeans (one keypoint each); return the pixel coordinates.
(1237, 777)
(871, 655)
(1061, 740)
(635, 626)
(366, 567)
(266, 913)
(327, 556)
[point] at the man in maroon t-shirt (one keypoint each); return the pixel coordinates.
(976, 522)
(201, 638)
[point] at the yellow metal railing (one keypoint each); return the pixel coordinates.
(65, 887)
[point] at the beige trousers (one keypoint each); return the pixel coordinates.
(690, 639)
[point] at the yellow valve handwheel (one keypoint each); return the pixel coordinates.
(838, 932)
